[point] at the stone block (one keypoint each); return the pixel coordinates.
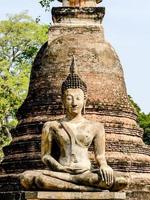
(75, 195)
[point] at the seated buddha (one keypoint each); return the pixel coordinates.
(73, 134)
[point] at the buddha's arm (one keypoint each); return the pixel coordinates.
(99, 147)
(46, 145)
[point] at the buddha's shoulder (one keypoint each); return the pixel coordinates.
(51, 124)
(95, 124)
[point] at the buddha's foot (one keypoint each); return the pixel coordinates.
(119, 184)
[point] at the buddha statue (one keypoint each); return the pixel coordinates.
(73, 134)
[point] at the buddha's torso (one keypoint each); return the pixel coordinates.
(74, 153)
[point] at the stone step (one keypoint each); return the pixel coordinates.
(75, 195)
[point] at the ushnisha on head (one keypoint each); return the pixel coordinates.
(73, 81)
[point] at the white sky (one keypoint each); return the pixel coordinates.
(127, 28)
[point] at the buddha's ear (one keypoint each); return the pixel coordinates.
(85, 99)
(84, 104)
(63, 106)
(62, 98)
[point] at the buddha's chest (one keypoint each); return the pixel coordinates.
(78, 135)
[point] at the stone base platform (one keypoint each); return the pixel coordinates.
(75, 195)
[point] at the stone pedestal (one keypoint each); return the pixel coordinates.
(75, 195)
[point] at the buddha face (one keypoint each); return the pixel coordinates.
(73, 100)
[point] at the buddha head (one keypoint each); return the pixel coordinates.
(74, 92)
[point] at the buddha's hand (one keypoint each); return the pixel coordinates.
(106, 173)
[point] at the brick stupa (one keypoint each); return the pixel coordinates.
(79, 32)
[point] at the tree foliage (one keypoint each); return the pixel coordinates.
(143, 120)
(20, 39)
(46, 4)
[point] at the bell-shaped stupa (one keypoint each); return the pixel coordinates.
(78, 31)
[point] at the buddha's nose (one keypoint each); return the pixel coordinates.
(74, 104)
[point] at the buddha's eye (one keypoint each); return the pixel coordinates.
(68, 98)
(78, 98)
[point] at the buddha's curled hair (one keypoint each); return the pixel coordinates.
(73, 81)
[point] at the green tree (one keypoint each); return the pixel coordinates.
(20, 39)
(143, 120)
(45, 4)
